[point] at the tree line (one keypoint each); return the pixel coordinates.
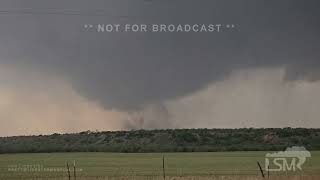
(169, 140)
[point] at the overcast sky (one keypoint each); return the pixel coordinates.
(57, 76)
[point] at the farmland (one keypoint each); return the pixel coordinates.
(145, 165)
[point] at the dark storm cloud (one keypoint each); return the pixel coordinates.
(129, 70)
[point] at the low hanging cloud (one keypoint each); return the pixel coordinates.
(265, 73)
(32, 103)
(256, 97)
(130, 70)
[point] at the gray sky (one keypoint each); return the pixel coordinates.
(44, 44)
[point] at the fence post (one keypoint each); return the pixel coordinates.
(74, 170)
(68, 171)
(260, 169)
(163, 170)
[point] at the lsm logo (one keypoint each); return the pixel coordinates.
(289, 160)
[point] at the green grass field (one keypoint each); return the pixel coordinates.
(53, 165)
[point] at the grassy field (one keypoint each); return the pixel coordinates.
(146, 165)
